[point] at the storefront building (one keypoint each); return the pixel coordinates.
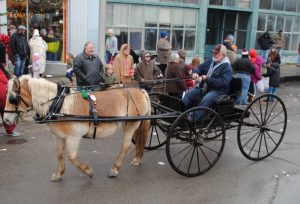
(193, 25)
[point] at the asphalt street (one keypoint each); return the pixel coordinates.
(26, 165)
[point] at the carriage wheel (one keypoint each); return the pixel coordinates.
(262, 127)
(194, 147)
(157, 136)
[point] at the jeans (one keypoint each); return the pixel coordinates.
(52, 56)
(272, 90)
(196, 96)
(19, 65)
(243, 98)
(264, 54)
(107, 56)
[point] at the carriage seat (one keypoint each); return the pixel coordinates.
(225, 103)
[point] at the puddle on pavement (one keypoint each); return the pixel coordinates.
(17, 141)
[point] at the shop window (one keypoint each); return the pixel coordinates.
(120, 15)
(151, 17)
(270, 23)
(244, 3)
(230, 3)
(164, 17)
(150, 39)
(278, 5)
(241, 39)
(288, 23)
(135, 39)
(137, 16)
(122, 36)
(177, 40)
(279, 23)
(47, 15)
(287, 41)
(294, 44)
(265, 4)
(189, 40)
(216, 2)
(243, 21)
(261, 23)
(190, 18)
(291, 5)
(177, 18)
(296, 25)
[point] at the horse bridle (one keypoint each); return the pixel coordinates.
(17, 100)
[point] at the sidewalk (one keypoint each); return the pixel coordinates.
(289, 73)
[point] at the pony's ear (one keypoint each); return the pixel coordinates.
(16, 85)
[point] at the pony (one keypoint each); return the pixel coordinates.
(36, 93)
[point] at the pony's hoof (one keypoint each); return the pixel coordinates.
(89, 172)
(55, 178)
(113, 174)
(136, 162)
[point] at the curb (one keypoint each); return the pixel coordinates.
(286, 79)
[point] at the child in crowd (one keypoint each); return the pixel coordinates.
(109, 75)
(35, 67)
(187, 73)
(273, 72)
(195, 63)
(69, 73)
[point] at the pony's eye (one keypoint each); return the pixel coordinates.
(13, 100)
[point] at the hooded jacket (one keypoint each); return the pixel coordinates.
(18, 45)
(265, 41)
(163, 51)
(274, 74)
(122, 65)
(257, 61)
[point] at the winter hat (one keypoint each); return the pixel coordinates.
(163, 34)
(182, 53)
(21, 27)
(253, 55)
(219, 48)
(35, 57)
(229, 37)
(36, 32)
(245, 51)
(174, 57)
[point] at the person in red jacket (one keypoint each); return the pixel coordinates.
(4, 76)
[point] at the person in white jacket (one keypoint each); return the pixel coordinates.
(38, 45)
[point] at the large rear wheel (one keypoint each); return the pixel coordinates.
(193, 147)
(262, 127)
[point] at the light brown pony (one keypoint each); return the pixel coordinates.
(113, 102)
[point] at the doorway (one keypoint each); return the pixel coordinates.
(220, 23)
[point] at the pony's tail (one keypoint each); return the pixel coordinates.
(141, 136)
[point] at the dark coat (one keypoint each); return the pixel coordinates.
(174, 71)
(274, 74)
(146, 71)
(265, 41)
(220, 79)
(244, 66)
(19, 45)
(88, 70)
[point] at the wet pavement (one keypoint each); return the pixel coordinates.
(27, 162)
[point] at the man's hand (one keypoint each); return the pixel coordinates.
(204, 77)
(195, 76)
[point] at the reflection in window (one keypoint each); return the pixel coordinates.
(244, 3)
(150, 39)
(177, 39)
(136, 39)
(265, 4)
(146, 22)
(278, 5)
(288, 23)
(122, 36)
(120, 15)
(261, 22)
(230, 3)
(287, 41)
(216, 2)
(151, 17)
(279, 23)
(270, 23)
(42, 15)
(294, 44)
(296, 25)
(241, 39)
(243, 21)
(189, 42)
(290, 5)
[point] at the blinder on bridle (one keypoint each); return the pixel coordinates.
(16, 100)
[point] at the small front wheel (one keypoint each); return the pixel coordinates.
(193, 147)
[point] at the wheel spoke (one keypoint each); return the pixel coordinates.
(251, 138)
(205, 156)
(260, 136)
(253, 145)
(266, 145)
(190, 163)
(271, 137)
(181, 162)
(210, 149)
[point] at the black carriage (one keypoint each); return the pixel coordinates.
(194, 147)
